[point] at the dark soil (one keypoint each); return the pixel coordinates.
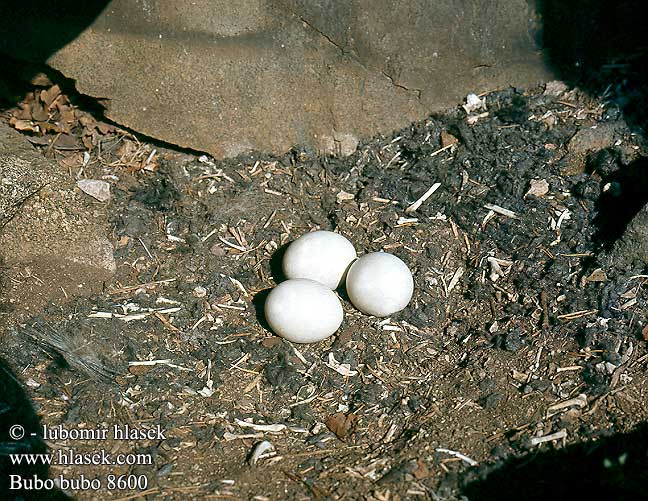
(518, 307)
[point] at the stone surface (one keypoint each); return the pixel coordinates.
(632, 248)
(586, 141)
(99, 190)
(22, 172)
(594, 138)
(229, 77)
(55, 245)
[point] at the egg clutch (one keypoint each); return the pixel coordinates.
(305, 308)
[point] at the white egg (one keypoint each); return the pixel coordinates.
(303, 311)
(379, 284)
(322, 256)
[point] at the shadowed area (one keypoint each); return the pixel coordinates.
(35, 30)
(17, 410)
(600, 46)
(612, 468)
(626, 194)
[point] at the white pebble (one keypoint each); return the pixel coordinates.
(99, 190)
(379, 284)
(322, 256)
(303, 311)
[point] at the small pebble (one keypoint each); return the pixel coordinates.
(99, 190)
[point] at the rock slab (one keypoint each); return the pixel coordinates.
(230, 77)
(22, 173)
(631, 250)
(53, 241)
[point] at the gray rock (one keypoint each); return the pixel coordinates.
(53, 245)
(23, 172)
(586, 141)
(632, 248)
(594, 138)
(555, 88)
(229, 77)
(99, 190)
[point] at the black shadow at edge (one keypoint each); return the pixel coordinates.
(596, 44)
(611, 468)
(258, 302)
(17, 409)
(276, 267)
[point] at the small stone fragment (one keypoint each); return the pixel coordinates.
(555, 88)
(593, 138)
(343, 196)
(538, 188)
(345, 144)
(217, 250)
(341, 144)
(139, 370)
(341, 424)
(99, 190)
(447, 139)
(510, 341)
(598, 275)
(421, 471)
(271, 342)
(491, 401)
(474, 102)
